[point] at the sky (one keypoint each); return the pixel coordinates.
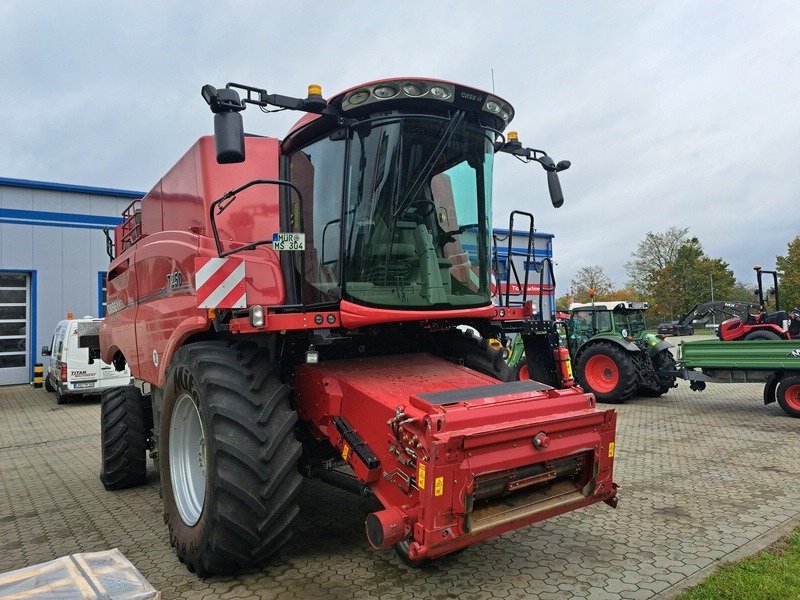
(672, 113)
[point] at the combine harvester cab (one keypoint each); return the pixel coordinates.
(294, 307)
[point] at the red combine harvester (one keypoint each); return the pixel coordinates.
(293, 306)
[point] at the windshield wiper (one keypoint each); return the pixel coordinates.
(422, 175)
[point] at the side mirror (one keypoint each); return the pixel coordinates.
(46, 351)
(228, 127)
(554, 185)
(229, 135)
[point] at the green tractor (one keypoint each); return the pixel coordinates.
(613, 355)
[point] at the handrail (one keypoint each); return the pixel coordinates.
(231, 195)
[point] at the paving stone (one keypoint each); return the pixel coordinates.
(701, 473)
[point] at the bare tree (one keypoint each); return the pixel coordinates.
(591, 277)
(655, 252)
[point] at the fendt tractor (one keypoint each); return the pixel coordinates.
(293, 307)
(615, 358)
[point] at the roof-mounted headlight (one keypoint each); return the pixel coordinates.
(385, 91)
(440, 92)
(414, 89)
(400, 89)
(358, 97)
(498, 107)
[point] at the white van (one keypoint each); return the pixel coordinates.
(75, 367)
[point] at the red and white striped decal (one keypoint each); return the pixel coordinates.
(219, 282)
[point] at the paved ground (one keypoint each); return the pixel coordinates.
(703, 475)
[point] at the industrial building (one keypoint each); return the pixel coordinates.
(52, 262)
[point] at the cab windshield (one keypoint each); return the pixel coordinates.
(417, 214)
(396, 214)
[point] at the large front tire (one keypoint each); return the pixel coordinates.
(228, 457)
(123, 438)
(607, 371)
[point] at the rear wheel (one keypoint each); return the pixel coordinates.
(607, 371)
(788, 394)
(228, 457)
(123, 438)
(47, 385)
(770, 388)
(762, 335)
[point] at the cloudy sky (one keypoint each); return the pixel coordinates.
(672, 113)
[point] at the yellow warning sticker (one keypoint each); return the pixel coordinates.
(438, 486)
(421, 476)
(611, 450)
(345, 451)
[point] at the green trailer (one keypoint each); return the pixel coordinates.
(776, 363)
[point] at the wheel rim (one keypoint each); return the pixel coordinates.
(792, 396)
(524, 375)
(187, 459)
(601, 373)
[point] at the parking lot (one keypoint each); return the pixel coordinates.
(705, 478)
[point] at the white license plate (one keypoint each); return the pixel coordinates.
(288, 241)
(84, 384)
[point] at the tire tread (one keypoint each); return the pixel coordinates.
(123, 438)
(250, 421)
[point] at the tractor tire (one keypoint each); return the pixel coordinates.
(771, 387)
(788, 394)
(47, 385)
(762, 335)
(661, 361)
(474, 353)
(607, 371)
(123, 438)
(227, 456)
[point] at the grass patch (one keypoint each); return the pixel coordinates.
(773, 574)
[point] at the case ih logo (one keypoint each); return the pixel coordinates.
(220, 282)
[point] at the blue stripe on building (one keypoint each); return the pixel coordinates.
(55, 219)
(75, 189)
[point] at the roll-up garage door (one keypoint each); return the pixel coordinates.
(15, 313)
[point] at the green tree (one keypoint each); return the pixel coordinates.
(686, 280)
(746, 292)
(590, 277)
(623, 293)
(789, 266)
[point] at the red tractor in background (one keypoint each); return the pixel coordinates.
(293, 305)
(778, 325)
